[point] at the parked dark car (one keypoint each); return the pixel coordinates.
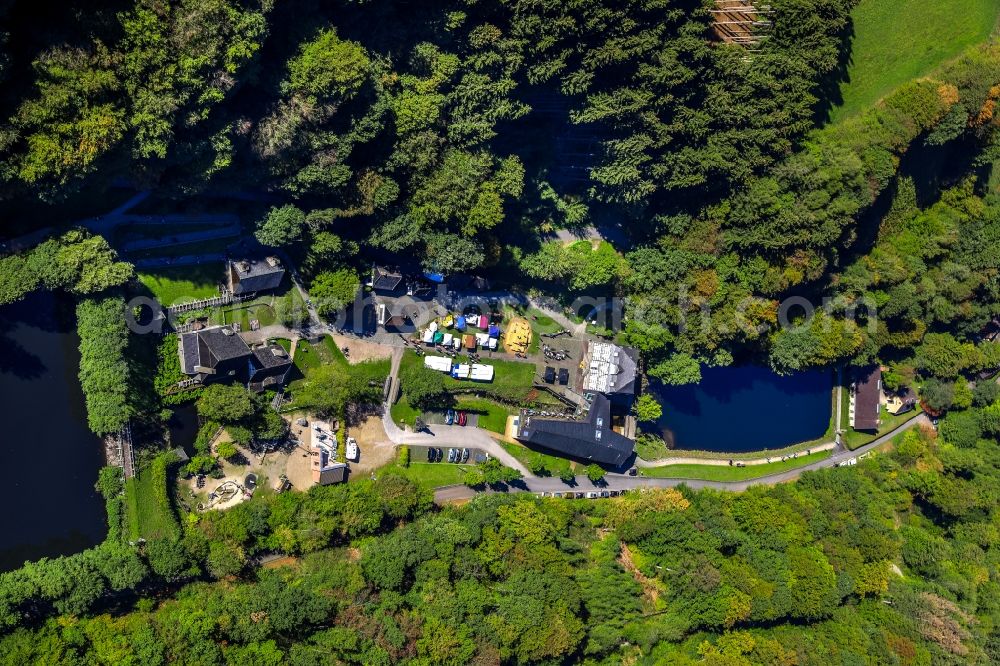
(465, 454)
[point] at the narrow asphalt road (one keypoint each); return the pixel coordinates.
(623, 482)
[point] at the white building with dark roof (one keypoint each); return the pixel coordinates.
(609, 369)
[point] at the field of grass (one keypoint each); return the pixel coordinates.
(403, 412)
(553, 464)
(896, 41)
(492, 416)
(242, 315)
(150, 511)
(310, 356)
(727, 473)
(511, 380)
(184, 283)
(429, 475)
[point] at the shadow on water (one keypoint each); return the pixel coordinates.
(745, 408)
(50, 457)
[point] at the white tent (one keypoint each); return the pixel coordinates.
(447, 339)
(440, 363)
(482, 339)
(428, 336)
(461, 371)
(492, 344)
(481, 373)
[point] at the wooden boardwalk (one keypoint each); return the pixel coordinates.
(740, 21)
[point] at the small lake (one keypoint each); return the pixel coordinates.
(50, 458)
(745, 408)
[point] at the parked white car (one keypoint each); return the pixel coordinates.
(352, 449)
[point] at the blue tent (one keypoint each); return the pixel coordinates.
(435, 277)
(460, 323)
(494, 331)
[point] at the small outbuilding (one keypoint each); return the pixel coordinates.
(550, 375)
(251, 275)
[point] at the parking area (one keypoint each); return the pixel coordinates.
(441, 418)
(443, 454)
(582, 494)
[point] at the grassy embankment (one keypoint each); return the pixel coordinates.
(184, 283)
(732, 473)
(896, 41)
(430, 475)
(552, 465)
(151, 513)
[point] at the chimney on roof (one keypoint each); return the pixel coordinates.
(227, 331)
(273, 261)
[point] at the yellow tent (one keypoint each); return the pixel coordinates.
(518, 336)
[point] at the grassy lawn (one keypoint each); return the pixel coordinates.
(150, 514)
(184, 283)
(243, 314)
(652, 448)
(403, 412)
(492, 416)
(896, 41)
(429, 475)
(309, 356)
(511, 380)
(553, 464)
(727, 473)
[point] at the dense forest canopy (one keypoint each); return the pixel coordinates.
(891, 562)
(462, 136)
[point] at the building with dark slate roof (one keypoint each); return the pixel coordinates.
(608, 377)
(866, 398)
(269, 367)
(591, 439)
(250, 276)
(385, 280)
(220, 354)
(213, 353)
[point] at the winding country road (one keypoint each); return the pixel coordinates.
(623, 482)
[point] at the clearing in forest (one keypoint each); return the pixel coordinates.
(896, 41)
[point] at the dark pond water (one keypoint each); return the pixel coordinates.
(745, 408)
(50, 458)
(183, 426)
